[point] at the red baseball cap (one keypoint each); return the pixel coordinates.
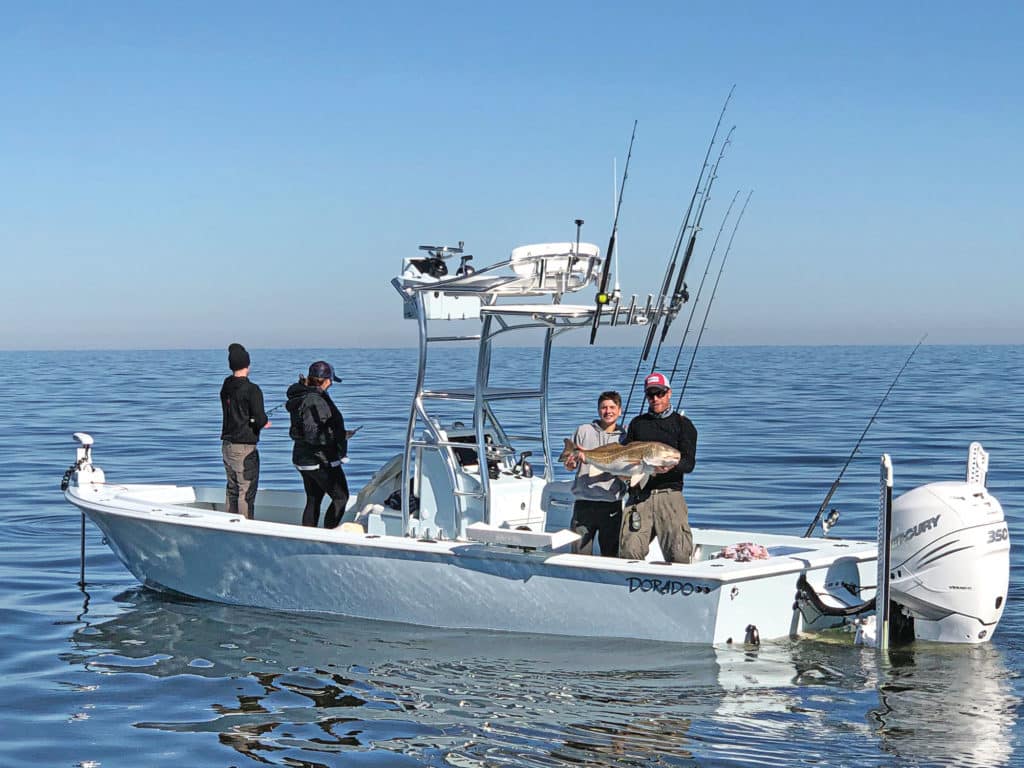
(657, 381)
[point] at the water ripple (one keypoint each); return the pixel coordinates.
(92, 676)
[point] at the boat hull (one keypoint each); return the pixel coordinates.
(227, 559)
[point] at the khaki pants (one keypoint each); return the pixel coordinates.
(663, 514)
(242, 466)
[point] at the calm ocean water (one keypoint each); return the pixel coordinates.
(114, 675)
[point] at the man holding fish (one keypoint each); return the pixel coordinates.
(657, 507)
(660, 447)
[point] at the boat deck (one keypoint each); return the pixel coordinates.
(279, 512)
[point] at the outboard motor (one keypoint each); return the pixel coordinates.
(950, 557)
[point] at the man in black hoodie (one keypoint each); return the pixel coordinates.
(244, 417)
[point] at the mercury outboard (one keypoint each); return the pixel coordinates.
(943, 564)
(949, 557)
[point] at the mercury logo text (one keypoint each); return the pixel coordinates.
(925, 525)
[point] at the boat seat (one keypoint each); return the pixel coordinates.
(556, 267)
(522, 537)
(384, 482)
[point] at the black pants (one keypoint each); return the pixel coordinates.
(318, 482)
(597, 518)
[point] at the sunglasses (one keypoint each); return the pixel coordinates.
(653, 394)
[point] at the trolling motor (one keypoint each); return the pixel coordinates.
(82, 471)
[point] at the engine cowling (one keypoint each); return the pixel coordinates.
(950, 561)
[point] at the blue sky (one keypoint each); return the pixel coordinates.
(189, 174)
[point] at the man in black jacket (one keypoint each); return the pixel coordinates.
(659, 509)
(320, 444)
(242, 404)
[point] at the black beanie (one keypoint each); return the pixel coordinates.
(238, 358)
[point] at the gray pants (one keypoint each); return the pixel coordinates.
(662, 514)
(242, 466)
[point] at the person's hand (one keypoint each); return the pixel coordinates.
(267, 424)
(575, 460)
(349, 433)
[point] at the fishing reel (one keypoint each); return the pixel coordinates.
(829, 522)
(678, 300)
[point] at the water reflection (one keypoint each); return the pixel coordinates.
(294, 690)
(284, 687)
(952, 704)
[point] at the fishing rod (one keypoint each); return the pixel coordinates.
(835, 485)
(679, 293)
(602, 291)
(616, 291)
(700, 288)
(714, 290)
(671, 266)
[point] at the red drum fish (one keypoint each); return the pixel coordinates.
(637, 461)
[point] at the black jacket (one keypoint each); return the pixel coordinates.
(317, 427)
(675, 430)
(242, 404)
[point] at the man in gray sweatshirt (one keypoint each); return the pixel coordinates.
(597, 511)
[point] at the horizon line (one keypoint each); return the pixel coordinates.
(508, 346)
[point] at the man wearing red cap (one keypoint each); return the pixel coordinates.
(659, 509)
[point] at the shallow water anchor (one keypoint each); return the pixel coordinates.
(882, 604)
(81, 557)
